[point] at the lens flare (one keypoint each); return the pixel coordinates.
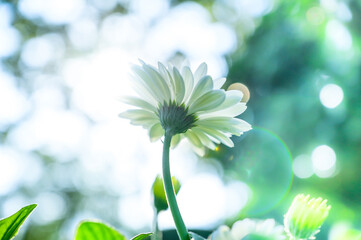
(263, 161)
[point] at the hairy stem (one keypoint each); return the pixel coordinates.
(169, 190)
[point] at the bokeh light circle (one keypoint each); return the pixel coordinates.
(331, 95)
(302, 166)
(263, 161)
(323, 161)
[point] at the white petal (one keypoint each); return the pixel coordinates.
(218, 83)
(188, 81)
(175, 140)
(217, 135)
(140, 103)
(211, 99)
(224, 125)
(160, 81)
(204, 85)
(199, 150)
(196, 142)
(138, 114)
(144, 122)
(231, 125)
(150, 84)
(232, 97)
(232, 111)
(193, 138)
(200, 72)
(243, 125)
(222, 233)
(140, 117)
(179, 84)
(204, 138)
(156, 132)
(242, 228)
(169, 79)
(179, 61)
(143, 90)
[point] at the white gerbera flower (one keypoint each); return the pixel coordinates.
(250, 229)
(185, 104)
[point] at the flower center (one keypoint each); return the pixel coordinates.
(175, 118)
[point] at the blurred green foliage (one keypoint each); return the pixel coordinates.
(285, 63)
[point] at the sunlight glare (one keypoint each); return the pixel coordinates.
(83, 33)
(9, 171)
(302, 166)
(40, 51)
(51, 207)
(10, 113)
(324, 161)
(331, 95)
(98, 82)
(52, 11)
(55, 132)
(202, 200)
(338, 35)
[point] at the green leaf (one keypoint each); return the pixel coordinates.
(9, 227)
(142, 236)
(195, 236)
(89, 230)
(160, 200)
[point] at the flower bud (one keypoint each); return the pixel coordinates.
(305, 216)
(159, 198)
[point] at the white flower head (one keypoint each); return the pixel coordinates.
(186, 104)
(250, 229)
(222, 233)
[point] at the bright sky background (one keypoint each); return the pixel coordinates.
(67, 104)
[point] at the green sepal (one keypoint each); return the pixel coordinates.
(9, 226)
(145, 236)
(159, 198)
(90, 230)
(175, 118)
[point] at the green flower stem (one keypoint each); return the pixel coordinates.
(169, 190)
(157, 234)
